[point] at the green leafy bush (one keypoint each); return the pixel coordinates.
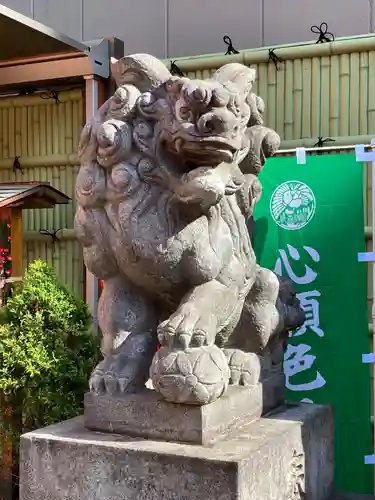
(47, 350)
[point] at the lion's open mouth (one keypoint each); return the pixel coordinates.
(203, 151)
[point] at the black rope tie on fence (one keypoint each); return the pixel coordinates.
(272, 57)
(230, 50)
(17, 165)
(322, 31)
(51, 94)
(52, 235)
(321, 142)
(175, 70)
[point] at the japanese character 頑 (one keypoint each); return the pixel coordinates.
(311, 307)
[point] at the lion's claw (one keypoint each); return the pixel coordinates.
(110, 383)
(187, 327)
(115, 375)
(96, 384)
(244, 367)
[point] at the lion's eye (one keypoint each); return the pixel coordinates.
(174, 84)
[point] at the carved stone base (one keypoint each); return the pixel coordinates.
(147, 415)
(287, 456)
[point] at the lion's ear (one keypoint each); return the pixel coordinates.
(242, 76)
(141, 70)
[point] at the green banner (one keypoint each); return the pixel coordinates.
(309, 225)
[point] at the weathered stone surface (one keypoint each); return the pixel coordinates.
(288, 456)
(147, 415)
(168, 180)
(273, 391)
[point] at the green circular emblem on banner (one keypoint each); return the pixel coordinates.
(292, 205)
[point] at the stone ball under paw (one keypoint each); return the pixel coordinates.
(197, 375)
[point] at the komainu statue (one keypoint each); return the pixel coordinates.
(167, 184)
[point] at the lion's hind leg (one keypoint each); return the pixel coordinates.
(128, 323)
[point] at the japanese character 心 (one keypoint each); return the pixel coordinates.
(309, 275)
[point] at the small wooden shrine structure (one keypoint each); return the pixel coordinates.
(14, 198)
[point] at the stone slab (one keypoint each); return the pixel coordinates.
(261, 462)
(147, 415)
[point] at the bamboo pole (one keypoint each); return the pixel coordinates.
(8, 101)
(5, 129)
(306, 98)
(17, 237)
(30, 153)
(334, 100)
(58, 159)
(71, 159)
(344, 45)
(363, 91)
(344, 82)
(354, 102)
(69, 234)
(288, 117)
(64, 234)
(340, 143)
(297, 98)
(325, 69)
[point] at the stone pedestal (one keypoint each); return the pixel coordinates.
(287, 455)
(147, 415)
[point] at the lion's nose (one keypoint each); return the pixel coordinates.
(214, 123)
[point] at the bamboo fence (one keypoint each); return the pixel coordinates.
(44, 134)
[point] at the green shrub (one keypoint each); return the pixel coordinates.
(47, 350)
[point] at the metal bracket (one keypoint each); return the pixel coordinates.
(99, 55)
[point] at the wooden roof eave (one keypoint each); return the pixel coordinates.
(24, 199)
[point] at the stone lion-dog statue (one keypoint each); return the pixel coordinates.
(167, 185)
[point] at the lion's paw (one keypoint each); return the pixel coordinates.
(244, 367)
(189, 326)
(114, 375)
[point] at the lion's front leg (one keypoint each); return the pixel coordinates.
(204, 311)
(128, 322)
